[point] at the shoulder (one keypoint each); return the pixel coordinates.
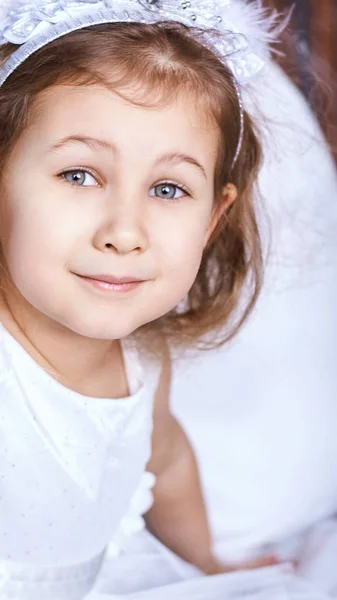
(165, 426)
(11, 343)
(155, 359)
(162, 358)
(5, 360)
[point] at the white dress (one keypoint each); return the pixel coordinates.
(73, 487)
(69, 468)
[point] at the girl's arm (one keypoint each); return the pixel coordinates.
(178, 517)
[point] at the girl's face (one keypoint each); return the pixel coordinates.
(99, 188)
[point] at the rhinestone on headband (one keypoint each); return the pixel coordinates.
(239, 33)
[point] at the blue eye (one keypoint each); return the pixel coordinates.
(169, 191)
(79, 178)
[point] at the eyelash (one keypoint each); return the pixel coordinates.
(176, 184)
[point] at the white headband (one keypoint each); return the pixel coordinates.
(245, 30)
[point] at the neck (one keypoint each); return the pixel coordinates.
(74, 360)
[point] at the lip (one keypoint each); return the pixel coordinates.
(112, 279)
(111, 283)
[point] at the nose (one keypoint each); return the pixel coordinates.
(122, 232)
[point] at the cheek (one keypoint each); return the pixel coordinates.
(37, 247)
(182, 243)
(35, 242)
(42, 225)
(29, 239)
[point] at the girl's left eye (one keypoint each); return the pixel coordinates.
(169, 191)
(79, 178)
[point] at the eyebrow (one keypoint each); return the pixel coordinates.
(83, 139)
(94, 143)
(178, 157)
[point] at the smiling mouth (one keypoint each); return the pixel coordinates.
(111, 283)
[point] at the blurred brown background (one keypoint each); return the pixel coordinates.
(311, 56)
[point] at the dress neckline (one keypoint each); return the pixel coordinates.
(132, 366)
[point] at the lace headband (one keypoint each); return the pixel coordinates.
(245, 30)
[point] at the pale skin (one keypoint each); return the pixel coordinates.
(112, 218)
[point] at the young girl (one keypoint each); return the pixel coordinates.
(127, 223)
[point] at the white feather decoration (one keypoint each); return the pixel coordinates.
(260, 25)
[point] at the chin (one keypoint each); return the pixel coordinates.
(111, 324)
(103, 330)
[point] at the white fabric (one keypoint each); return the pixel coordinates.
(161, 576)
(71, 469)
(262, 412)
(72, 492)
(265, 584)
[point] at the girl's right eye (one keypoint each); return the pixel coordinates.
(79, 178)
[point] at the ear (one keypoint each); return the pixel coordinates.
(228, 196)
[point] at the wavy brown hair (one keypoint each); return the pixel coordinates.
(150, 64)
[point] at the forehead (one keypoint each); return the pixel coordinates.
(99, 112)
